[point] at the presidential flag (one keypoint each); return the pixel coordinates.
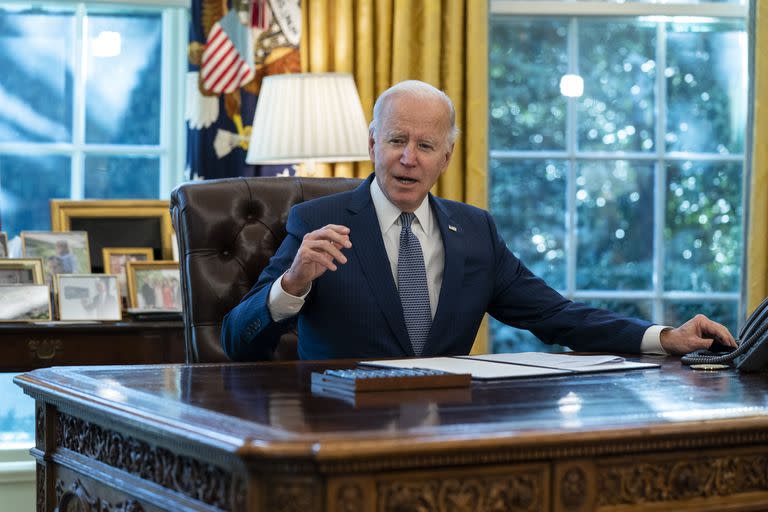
(227, 62)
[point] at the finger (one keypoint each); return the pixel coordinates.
(332, 232)
(327, 247)
(311, 257)
(719, 332)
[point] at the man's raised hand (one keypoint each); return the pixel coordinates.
(320, 251)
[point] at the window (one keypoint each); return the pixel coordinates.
(617, 135)
(89, 108)
(89, 105)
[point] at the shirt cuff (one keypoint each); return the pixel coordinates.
(651, 343)
(282, 304)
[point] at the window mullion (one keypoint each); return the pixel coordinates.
(77, 180)
(660, 176)
(570, 137)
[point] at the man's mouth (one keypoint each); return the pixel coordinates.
(405, 181)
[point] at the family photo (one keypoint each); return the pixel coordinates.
(61, 252)
(154, 286)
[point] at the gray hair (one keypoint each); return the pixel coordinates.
(419, 90)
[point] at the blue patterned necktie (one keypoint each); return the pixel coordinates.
(412, 285)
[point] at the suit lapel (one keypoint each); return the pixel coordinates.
(453, 272)
(368, 245)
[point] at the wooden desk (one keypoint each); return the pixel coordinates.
(253, 437)
(29, 346)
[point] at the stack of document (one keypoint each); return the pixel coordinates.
(523, 364)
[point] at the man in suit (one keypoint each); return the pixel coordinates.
(388, 269)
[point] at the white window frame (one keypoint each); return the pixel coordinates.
(171, 149)
(659, 156)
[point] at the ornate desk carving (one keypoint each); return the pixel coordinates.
(254, 437)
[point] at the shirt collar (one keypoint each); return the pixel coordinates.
(388, 213)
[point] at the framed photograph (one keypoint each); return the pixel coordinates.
(25, 303)
(115, 258)
(3, 244)
(116, 223)
(62, 253)
(154, 285)
(88, 297)
(21, 271)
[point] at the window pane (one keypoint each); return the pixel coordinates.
(634, 308)
(508, 339)
(618, 66)
(17, 414)
(678, 312)
(36, 78)
(527, 200)
(122, 177)
(26, 183)
(706, 87)
(614, 208)
(123, 79)
(703, 226)
(527, 59)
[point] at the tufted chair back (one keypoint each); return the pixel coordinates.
(227, 230)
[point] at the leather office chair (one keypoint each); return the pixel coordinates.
(227, 230)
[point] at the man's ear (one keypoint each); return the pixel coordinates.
(449, 154)
(371, 142)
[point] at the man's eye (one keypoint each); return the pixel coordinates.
(396, 141)
(426, 147)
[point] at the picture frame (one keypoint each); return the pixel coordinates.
(115, 259)
(61, 253)
(21, 271)
(116, 223)
(154, 285)
(25, 303)
(3, 244)
(88, 297)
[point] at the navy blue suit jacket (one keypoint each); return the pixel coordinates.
(356, 312)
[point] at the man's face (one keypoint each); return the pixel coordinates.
(410, 148)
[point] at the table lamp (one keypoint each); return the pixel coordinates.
(308, 118)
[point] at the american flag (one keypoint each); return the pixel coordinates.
(227, 62)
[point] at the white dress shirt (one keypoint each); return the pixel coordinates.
(283, 305)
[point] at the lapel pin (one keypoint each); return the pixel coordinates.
(452, 228)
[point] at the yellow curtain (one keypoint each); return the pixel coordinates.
(757, 257)
(382, 42)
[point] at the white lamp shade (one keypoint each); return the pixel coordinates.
(308, 117)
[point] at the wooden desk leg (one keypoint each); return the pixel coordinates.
(44, 441)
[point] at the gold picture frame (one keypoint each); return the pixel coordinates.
(26, 270)
(154, 285)
(115, 266)
(108, 223)
(88, 297)
(62, 252)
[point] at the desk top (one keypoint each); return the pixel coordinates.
(269, 410)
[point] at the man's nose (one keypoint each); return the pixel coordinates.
(409, 155)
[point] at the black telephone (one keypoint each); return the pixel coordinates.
(752, 353)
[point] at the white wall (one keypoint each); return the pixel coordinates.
(17, 480)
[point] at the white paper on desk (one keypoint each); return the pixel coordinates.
(572, 362)
(479, 369)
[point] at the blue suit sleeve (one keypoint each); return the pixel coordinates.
(523, 300)
(248, 332)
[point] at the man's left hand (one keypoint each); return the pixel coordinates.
(697, 333)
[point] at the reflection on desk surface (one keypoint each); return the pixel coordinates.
(274, 400)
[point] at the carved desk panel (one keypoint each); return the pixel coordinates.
(247, 437)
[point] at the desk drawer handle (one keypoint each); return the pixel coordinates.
(44, 349)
